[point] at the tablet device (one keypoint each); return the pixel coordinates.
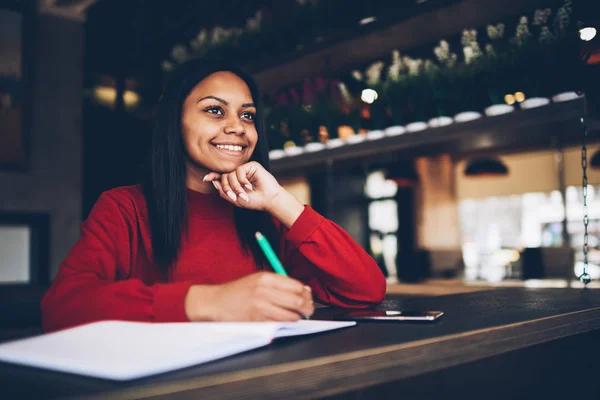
(389, 315)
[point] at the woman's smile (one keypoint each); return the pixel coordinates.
(228, 149)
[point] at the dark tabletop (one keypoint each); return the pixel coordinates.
(463, 313)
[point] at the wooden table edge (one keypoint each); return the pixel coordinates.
(358, 369)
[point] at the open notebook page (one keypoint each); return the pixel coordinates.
(121, 350)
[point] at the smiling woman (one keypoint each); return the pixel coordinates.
(180, 246)
(218, 127)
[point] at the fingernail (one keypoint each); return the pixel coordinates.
(248, 186)
(308, 288)
(245, 197)
(204, 179)
(215, 185)
(232, 195)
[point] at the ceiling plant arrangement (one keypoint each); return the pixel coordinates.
(519, 64)
(506, 66)
(268, 33)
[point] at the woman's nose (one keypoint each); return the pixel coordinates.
(234, 126)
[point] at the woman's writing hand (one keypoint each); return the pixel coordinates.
(262, 296)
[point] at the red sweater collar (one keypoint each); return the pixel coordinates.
(208, 205)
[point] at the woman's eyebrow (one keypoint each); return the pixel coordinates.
(215, 98)
(225, 102)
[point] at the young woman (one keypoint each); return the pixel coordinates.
(181, 247)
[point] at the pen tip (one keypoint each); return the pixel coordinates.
(258, 235)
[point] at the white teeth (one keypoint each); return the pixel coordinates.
(229, 147)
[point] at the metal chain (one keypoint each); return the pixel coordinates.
(585, 277)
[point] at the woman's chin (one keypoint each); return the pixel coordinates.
(217, 165)
(225, 168)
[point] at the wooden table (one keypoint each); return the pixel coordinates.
(480, 330)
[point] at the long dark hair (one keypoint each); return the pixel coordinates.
(164, 184)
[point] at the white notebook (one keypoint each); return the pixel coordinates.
(121, 350)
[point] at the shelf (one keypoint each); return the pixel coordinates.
(557, 124)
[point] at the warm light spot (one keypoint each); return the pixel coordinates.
(509, 99)
(520, 97)
(514, 255)
(131, 98)
(108, 96)
(345, 131)
(289, 144)
(105, 95)
(365, 113)
(369, 96)
(323, 134)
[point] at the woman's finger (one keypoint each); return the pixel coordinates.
(237, 187)
(243, 179)
(227, 188)
(279, 282)
(290, 301)
(211, 176)
(271, 312)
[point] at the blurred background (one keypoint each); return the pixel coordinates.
(444, 135)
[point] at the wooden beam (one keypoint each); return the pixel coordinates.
(419, 30)
(74, 11)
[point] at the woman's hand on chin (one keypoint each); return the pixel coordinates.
(248, 186)
(252, 186)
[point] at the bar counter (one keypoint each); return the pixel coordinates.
(490, 343)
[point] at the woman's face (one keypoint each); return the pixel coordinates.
(217, 123)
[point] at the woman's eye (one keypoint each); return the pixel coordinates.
(248, 115)
(214, 110)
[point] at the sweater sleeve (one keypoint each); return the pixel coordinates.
(321, 254)
(92, 284)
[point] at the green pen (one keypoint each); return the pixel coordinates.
(271, 256)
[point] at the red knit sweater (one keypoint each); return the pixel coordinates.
(109, 273)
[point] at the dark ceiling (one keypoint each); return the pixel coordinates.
(130, 32)
(132, 37)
